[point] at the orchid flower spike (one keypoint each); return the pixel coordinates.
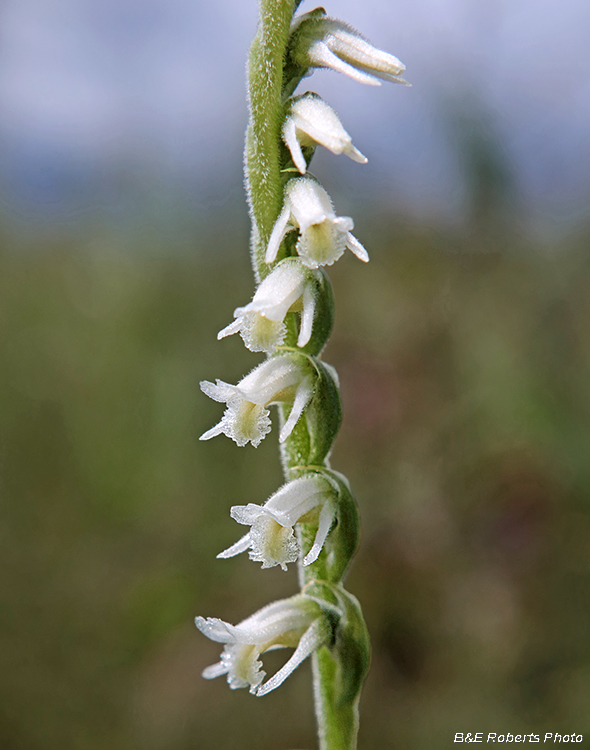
(271, 539)
(297, 623)
(323, 235)
(311, 121)
(324, 42)
(246, 419)
(289, 287)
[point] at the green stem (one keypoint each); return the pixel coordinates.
(263, 137)
(337, 721)
(337, 718)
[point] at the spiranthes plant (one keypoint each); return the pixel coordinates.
(312, 520)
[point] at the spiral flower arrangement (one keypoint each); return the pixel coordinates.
(312, 520)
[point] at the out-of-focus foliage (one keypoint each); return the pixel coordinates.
(464, 369)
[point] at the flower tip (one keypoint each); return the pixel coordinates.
(357, 156)
(310, 558)
(213, 432)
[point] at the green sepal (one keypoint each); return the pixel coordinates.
(343, 539)
(324, 414)
(351, 650)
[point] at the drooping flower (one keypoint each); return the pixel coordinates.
(324, 42)
(288, 287)
(311, 121)
(297, 622)
(271, 538)
(323, 235)
(246, 419)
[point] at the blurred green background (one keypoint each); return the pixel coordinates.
(463, 356)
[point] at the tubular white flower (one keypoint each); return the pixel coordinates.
(296, 623)
(311, 121)
(261, 323)
(246, 418)
(325, 42)
(271, 539)
(323, 235)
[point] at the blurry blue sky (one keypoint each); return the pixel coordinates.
(149, 94)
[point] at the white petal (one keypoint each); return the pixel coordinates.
(355, 246)
(275, 619)
(322, 56)
(240, 546)
(218, 391)
(305, 329)
(216, 629)
(310, 203)
(302, 398)
(317, 121)
(352, 47)
(245, 514)
(268, 380)
(213, 432)
(327, 514)
(215, 670)
(277, 234)
(229, 330)
(298, 497)
(313, 638)
(290, 138)
(279, 290)
(354, 154)
(347, 43)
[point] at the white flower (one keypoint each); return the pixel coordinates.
(289, 287)
(311, 121)
(271, 539)
(246, 418)
(323, 235)
(324, 42)
(296, 623)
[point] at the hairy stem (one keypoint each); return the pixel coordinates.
(263, 137)
(337, 720)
